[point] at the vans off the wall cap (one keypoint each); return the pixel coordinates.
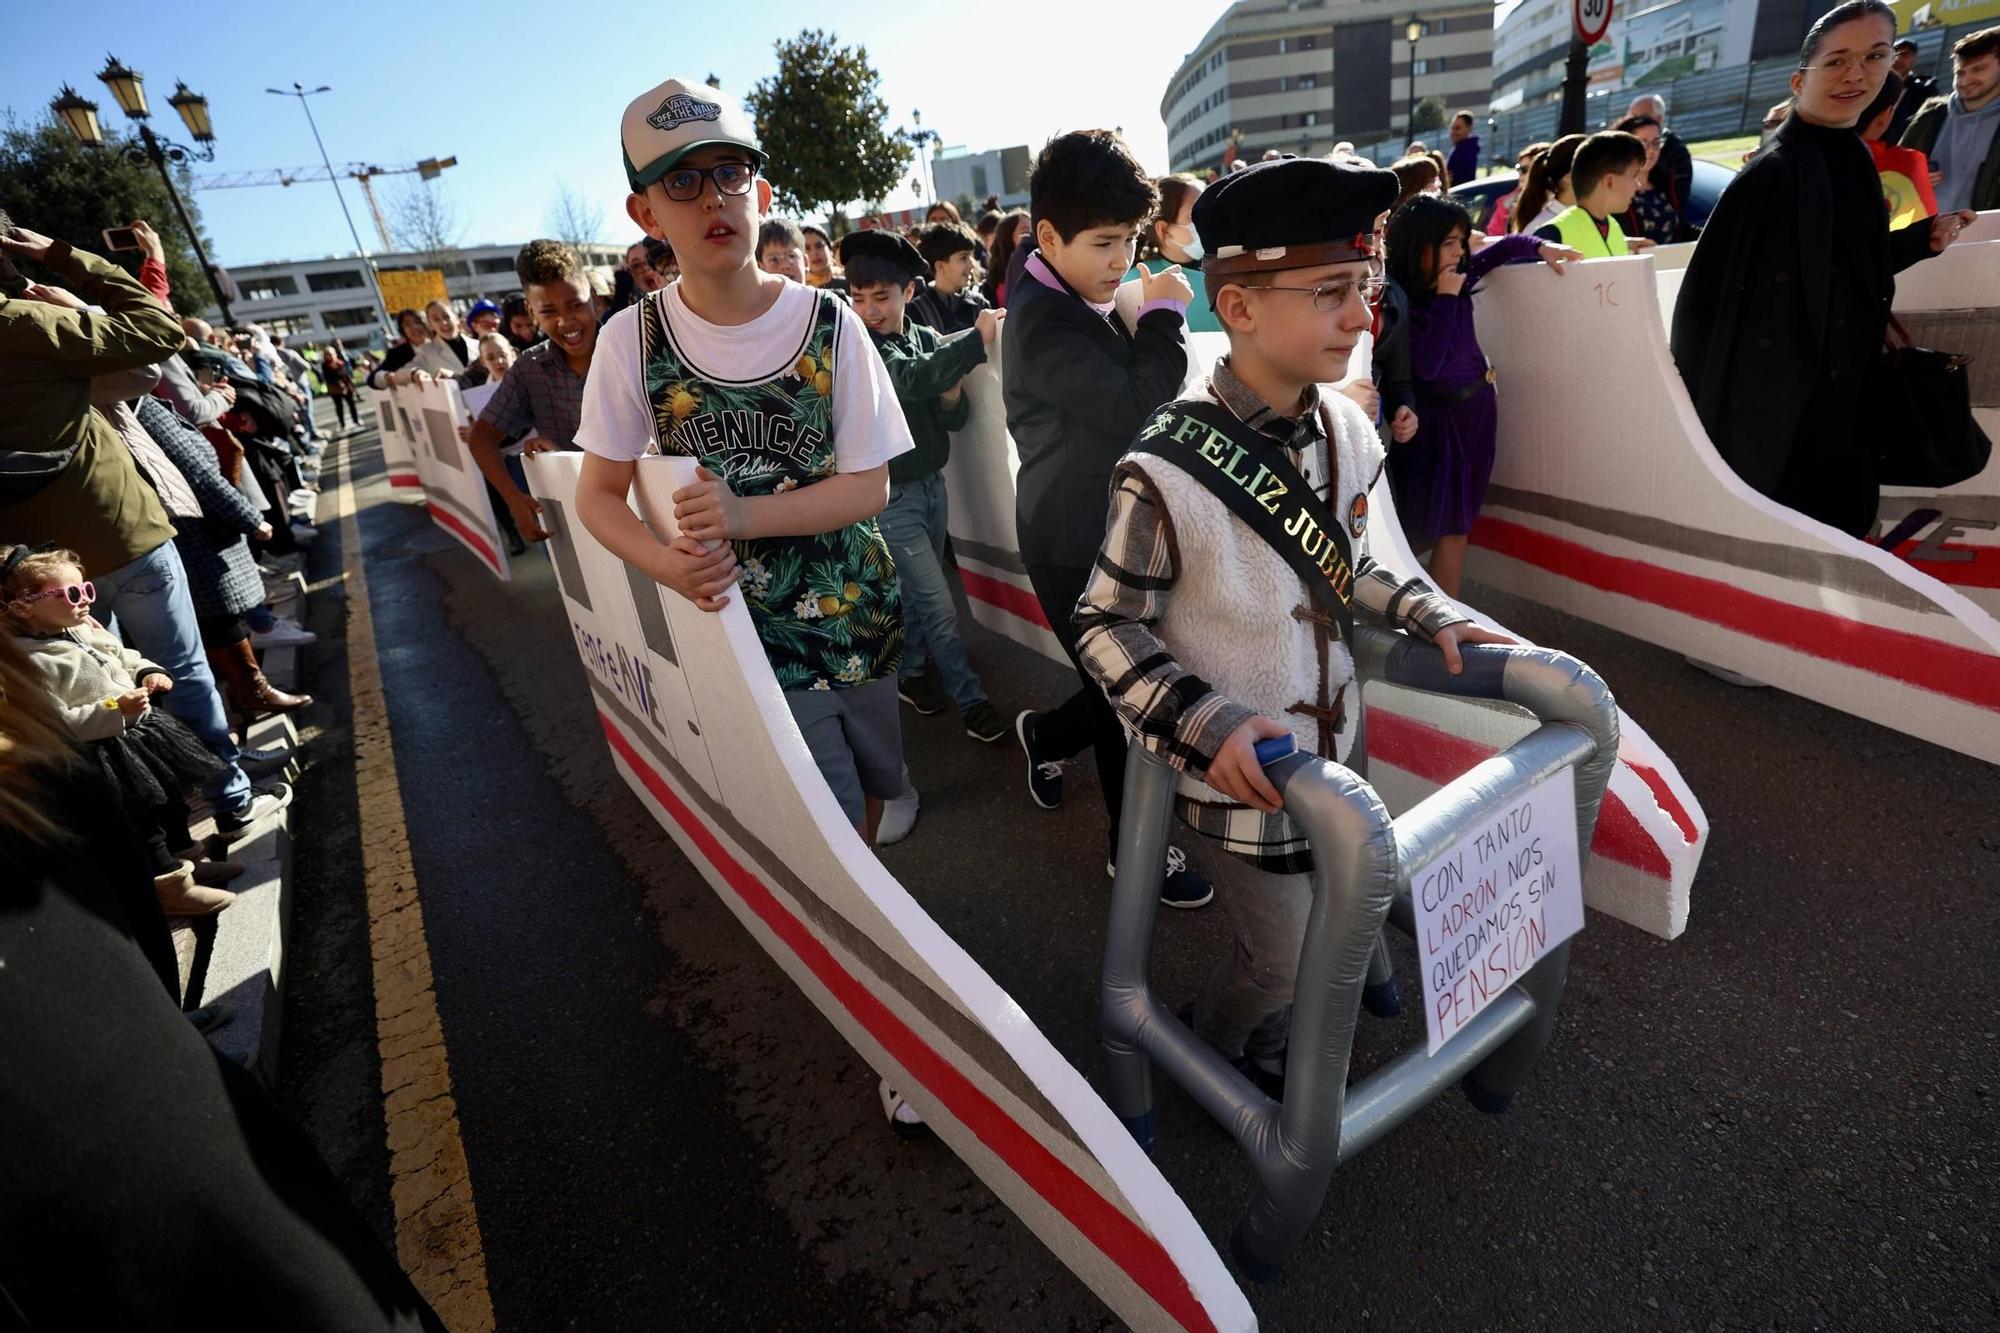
(665, 124)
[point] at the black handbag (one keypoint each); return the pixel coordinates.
(1928, 436)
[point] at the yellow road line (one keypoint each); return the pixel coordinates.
(437, 1227)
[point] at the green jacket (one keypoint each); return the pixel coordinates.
(1922, 134)
(98, 506)
(923, 366)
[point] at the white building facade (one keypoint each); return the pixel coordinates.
(960, 175)
(1298, 76)
(314, 300)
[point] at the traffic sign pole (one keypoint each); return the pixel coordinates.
(1590, 20)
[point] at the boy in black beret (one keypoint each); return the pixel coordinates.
(1078, 386)
(1218, 613)
(950, 301)
(883, 270)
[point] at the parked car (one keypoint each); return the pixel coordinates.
(1480, 196)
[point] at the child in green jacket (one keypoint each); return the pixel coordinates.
(928, 370)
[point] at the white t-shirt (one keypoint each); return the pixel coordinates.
(868, 425)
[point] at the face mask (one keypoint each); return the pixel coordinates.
(1192, 244)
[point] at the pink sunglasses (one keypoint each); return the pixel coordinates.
(79, 594)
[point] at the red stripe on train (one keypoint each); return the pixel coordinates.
(453, 524)
(998, 592)
(1120, 1239)
(1929, 664)
(1668, 802)
(1438, 756)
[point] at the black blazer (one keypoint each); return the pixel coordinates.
(1750, 323)
(1077, 389)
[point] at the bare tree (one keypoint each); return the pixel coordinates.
(574, 220)
(423, 222)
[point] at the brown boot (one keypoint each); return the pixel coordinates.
(181, 896)
(250, 692)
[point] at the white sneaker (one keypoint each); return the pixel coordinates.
(265, 800)
(286, 633)
(899, 816)
(902, 1116)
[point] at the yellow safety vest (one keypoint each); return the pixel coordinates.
(1579, 232)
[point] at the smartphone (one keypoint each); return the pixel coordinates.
(121, 238)
(1273, 748)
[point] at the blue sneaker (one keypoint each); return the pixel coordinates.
(1183, 885)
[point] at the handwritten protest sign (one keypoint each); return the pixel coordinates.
(1496, 902)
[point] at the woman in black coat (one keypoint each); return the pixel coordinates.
(1778, 328)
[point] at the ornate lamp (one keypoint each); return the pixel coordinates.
(80, 115)
(193, 109)
(128, 86)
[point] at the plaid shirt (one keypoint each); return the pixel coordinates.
(1164, 706)
(542, 392)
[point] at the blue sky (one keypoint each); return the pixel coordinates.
(527, 96)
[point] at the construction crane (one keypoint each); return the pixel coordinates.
(429, 169)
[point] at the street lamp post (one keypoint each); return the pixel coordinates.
(301, 92)
(921, 136)
(1413, 32)
(128, 86)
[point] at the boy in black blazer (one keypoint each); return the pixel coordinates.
(1078, 387)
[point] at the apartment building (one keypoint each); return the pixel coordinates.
(1300, 75)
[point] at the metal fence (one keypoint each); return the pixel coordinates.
(1715, 104)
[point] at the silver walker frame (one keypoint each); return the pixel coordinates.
(1363, 864)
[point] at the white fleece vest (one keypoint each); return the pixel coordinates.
(1230, 618)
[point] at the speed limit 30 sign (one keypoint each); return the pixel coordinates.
(1591, 19)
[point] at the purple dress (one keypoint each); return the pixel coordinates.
(1440, 476)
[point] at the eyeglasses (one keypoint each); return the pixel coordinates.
(731, 178)
(79, 594)
(1873, 61)
(1331, 296)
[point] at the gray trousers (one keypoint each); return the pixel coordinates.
(1246, 1006)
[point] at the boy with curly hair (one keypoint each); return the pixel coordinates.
(544, 390)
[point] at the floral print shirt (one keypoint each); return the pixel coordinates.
(826, 606)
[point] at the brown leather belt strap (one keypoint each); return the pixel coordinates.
(1273, 259)
(1335, 717)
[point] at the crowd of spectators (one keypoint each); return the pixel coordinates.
(152, 471)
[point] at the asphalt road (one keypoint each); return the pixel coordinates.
(1784, 1119)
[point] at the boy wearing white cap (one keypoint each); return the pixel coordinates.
(778, 391)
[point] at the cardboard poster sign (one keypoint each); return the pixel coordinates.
(1495, 903)
(1609, 502)
(411, 288)
(699, 729)
(399, 460)
(1652, 831)
(454, 488)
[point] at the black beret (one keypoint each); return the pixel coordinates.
(1291, 213)
(888, 246)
